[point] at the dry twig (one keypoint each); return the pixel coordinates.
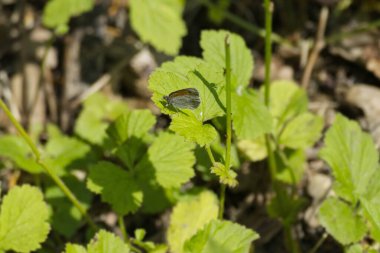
(318, 46)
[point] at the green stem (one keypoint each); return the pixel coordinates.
(268, 47)
(122, 228)
(228, 122)
(280, 193)
(222, 200)
(291, 244)
(48, 170)
(210, 155)
(228, 102)
(319, 243)
(246, 25)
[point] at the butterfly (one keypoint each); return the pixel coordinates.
(184, 99)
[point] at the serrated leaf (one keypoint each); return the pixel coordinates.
(159, 22)
(116, 186)
(302, 131)
(206, 79)
(23, 219)
(372, 212)
(74, 248)
(193, 130)
(250, 117)
(58, 12)
(107, 242)
(104, 242)
(226, 176)
(132, 124)
(97, 111)
(222, 237)
(170, 158)
(212, 43)
(341, 222)
(190, 215)
(286, 101)
(181, 65)
(16, 149)
(352, 156)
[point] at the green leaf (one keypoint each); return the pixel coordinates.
(135, 123)
(73, 248)
(250, 117)
(16, 149)
(66, 218)
(352, 156)
(222, 237)
(159, 22)
(97, 111)
(226, 176)
(341, 221)
(372, 212)
(188, 216)
(356, 248)
(287, 100)
(131, 151)
(206, 79)
(58, 12)
(254, 150)
(291, 165)
(23, 219)
(116, 186)
(217, 11)
(286, 207)
(104, 242)
(212, 43)
(170, 158)
(193, 130)
(302, 131)
(64, 151)
(181, 65)
(107, 242)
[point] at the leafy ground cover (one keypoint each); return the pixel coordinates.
(103, 149)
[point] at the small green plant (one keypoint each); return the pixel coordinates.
(353, 213)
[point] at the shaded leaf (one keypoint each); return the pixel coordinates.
(116, 186)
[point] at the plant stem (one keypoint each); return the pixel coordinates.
(319, 243)
(228, 102)
(290, 242)
(222, 200)
(210, 155)
(245, 24)
(268, 47)
(48, 170)
(228, 122)
(122, 228)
